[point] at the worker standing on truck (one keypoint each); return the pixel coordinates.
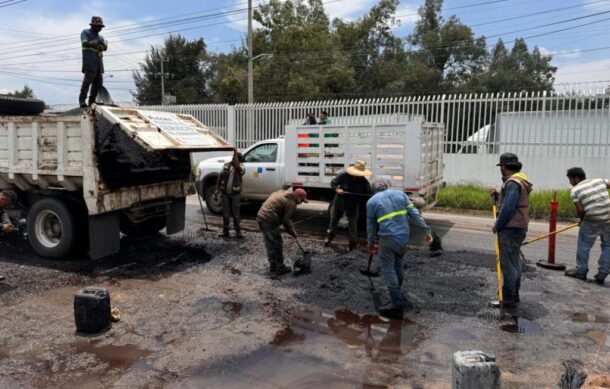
(8, 198)
(388, 213)
(229, 183)
(93, 45)
(511, 226)
(278, 210)
(351, 191)
(324, 119)
(590, 197)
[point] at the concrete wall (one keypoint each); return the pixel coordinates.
(544, 172)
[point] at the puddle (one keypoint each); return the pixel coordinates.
(522, 326)
(597, 336)
(582, 317)
(115, 356)
(461, 334)
(320, 349)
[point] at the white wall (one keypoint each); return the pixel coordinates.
(544, 172)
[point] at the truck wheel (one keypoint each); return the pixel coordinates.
(10, 105)
(146, 228)
(214, 205)
(51, 228)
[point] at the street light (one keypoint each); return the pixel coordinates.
(251, 76)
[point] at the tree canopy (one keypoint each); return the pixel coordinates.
(26, 92)
(306, 56)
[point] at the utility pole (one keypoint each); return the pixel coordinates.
(163, 60)
(250, 54)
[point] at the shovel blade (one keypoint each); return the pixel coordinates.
(369, 273)
(103, 97)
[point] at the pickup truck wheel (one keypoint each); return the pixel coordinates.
(144, 229)
(214, 205)
(51, 228)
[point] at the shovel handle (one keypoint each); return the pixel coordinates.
(300, 247)
(551, 233)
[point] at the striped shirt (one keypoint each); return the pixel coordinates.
(593, 195)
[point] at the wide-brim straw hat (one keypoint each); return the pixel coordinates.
(358, 169)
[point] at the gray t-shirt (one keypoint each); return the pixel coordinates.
(593, 195)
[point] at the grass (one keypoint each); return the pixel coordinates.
(476, 198)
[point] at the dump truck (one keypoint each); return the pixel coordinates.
(404, 150)
(85, 176)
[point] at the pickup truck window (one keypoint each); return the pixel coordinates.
(262, 153)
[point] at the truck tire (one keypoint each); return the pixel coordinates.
(144, 229)
(215, 206)
(51, 228)
(10, 105)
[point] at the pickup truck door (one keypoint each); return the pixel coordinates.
(262, 164)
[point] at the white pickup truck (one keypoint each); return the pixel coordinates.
(85, 176)
(407, 153)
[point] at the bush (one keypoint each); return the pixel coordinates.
(477, 198)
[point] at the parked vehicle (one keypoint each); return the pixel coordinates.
(84, 176)
(407, 153)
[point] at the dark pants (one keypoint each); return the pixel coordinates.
(510, 260)
(273, 243)
(230, 208)
(340, 207)
(93, 79)
(391, 259)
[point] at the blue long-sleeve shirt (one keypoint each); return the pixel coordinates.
(509, 204)
(388, 215)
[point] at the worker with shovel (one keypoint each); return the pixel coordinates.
(590, 197)
(93, 45)
(351, 191)
(388, 212)
(276, 211)
(511, 226)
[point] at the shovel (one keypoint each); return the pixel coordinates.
(103, 97)
(302, 265)
(367, 272)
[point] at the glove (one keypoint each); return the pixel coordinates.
(372, 249)
(429, 239)
(94, 42)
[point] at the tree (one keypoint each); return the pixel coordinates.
(445, 52)
(187, 72)
(518, 70)
(26, 92)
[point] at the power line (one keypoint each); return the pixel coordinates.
(3, 4)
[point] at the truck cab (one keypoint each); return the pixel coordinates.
(264, 163)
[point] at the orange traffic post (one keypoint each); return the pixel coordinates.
(550, 263)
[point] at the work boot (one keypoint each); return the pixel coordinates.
(224, 234)
(599, 279)
(279, 269)
(2, 278)
(238, 234)
(329, 238)
(576, 274)
(505, 304)
(391, 311)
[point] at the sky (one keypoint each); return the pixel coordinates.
(40, 44)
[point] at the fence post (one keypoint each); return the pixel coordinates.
(231, 124)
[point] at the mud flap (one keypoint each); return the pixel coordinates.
(104, 235)
(177, 214)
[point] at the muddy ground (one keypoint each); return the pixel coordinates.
(200, 312)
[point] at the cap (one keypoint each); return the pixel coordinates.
(11, 195)
(97, 21)
(300, 193)
(508, 158)
(379, 185)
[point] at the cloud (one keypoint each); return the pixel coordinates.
(407, 14)
(58, 81)
(597, 5)
(581, 72)
(560, 55)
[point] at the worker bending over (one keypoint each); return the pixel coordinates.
(590, 197)
(388, 213)
(276, 211)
